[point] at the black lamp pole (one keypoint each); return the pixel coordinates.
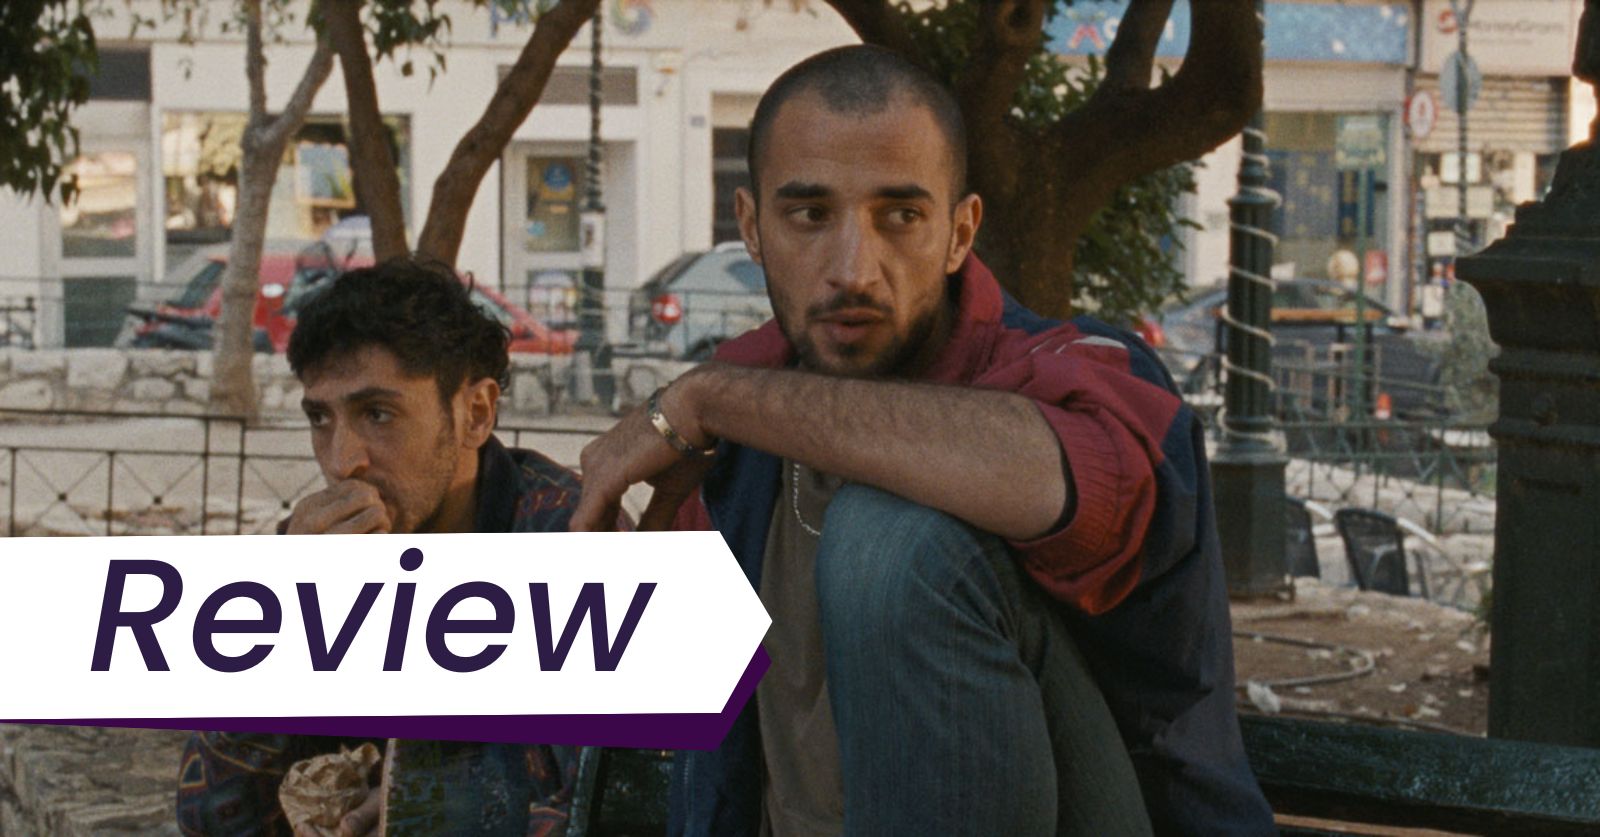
(591, 302)
(1247, 471)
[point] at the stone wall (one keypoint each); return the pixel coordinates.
(179, 382)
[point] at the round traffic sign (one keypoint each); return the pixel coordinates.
(1422, 113)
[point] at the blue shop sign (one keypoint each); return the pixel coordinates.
(1327, 31)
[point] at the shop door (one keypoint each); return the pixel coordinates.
(105, 251)
(542, 196)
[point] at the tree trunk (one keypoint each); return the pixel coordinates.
(233, 389)
(1041, 188)
(377, 182)
(483, 144)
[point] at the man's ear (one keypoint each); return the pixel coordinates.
(744, 208)
(481, 407)
(966, 217)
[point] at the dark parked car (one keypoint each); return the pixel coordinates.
(698, 301)
(1314, 327)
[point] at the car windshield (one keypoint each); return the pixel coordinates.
(1335, 298)
(722, 271)
(201, 286)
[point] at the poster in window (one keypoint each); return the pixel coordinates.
(322, 175)
(552, 206)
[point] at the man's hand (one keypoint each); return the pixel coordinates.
(349, 507)
(633, 452)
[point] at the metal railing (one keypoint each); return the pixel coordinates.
(1358, 437)
(95, 473)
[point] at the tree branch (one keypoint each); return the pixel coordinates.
(1131, 59)
(1008, 34)
(1122, 133)
(255, 62)
(299, 103)
(376, 182)
(483, 144)
(878, 22)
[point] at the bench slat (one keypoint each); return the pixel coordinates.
(1372, 775)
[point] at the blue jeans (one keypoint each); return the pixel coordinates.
(961, 702)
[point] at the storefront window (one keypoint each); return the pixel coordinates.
(554, 189)
(200, 158)
(1331, 170)
(102, 220)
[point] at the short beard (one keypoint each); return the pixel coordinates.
(445, 456)
(895, 359)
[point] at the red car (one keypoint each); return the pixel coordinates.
(289, 270)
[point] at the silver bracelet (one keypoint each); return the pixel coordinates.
(662, 426)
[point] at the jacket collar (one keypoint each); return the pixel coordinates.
(497, 480)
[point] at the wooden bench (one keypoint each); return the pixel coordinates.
(1344, 773)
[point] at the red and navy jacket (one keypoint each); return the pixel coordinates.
(1137, 568)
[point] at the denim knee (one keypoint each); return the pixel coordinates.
(885, 563)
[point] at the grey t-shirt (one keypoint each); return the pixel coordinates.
(803, 796)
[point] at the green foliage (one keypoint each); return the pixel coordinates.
(398, 25)
(1471, 390)
(47, 55)
(1120, 268)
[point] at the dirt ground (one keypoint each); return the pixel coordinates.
(1428, 663)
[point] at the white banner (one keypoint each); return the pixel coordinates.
(291, 626)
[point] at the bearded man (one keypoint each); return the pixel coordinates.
(986, 539)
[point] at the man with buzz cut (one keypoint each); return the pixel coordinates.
(402, 375)
(985, 539)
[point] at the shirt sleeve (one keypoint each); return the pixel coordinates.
(1112, 426)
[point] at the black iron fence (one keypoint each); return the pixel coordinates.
(1365, 436)
(88, 473)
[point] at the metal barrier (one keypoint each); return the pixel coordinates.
(1361, 438)
(19, 320)
(97, 473)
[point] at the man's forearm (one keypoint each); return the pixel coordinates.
(986, 457)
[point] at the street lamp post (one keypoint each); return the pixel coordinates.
(1247, 472)
(594, 383)
(1461, 10)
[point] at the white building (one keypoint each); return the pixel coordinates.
(681, 81)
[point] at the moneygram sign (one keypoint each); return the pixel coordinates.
(1518, 38)
(645, 640)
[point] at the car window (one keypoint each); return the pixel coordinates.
(1338, 298)
(665, 275)
(306, 285)
(1330, 297)
(201, 286)
(749, 274)
(727, 272)
(1292, 295)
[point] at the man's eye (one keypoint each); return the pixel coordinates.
(316, 418)
(378, 415)
(808, 214)
(905, 215)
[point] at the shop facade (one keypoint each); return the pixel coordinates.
(1519, 119)
(160, 153)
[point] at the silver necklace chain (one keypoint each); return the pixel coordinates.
(794, 493)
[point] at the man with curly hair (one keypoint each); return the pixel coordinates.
(402, 376)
